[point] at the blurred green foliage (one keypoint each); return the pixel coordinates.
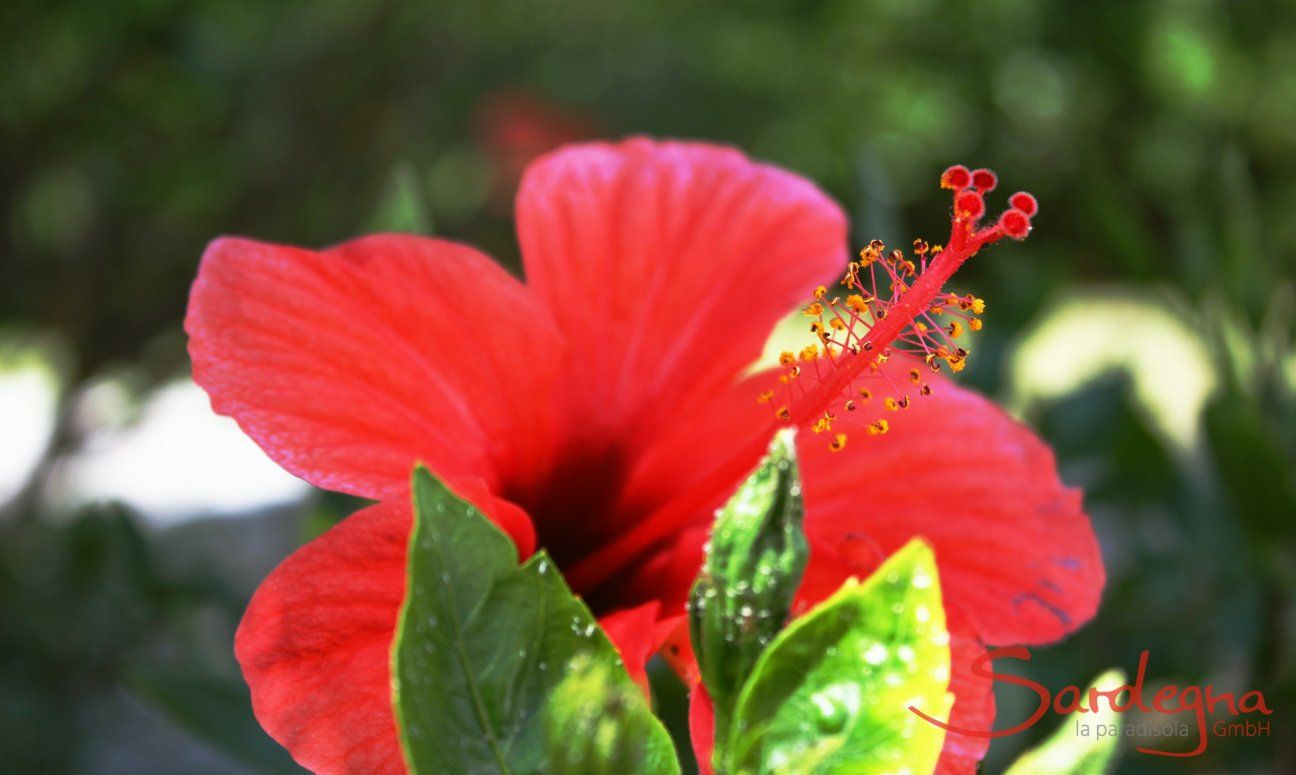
(1156, 133)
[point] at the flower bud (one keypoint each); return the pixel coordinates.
(754, 564)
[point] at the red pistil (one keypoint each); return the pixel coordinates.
(856, 335)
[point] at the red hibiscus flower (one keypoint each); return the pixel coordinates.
(601, 410)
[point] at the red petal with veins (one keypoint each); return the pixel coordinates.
(1015, 550)
(315, 645)
(348, 365)
(974, 707)
(667, 264)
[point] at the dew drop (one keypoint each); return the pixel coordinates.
(835, 705)
(875, 654)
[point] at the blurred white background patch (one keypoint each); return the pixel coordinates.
(177, 460)
(1093, 332)
(28, 389)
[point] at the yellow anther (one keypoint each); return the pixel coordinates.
(766, 397)
(787, 358)
(813, 311)
(809, 352)
(975, 324)
(783, 413)
(978, 306)
(955, 329)
(819, 293)
(838, 443)
(855, 303)
(920, 327)
(837, 324)
(878, 428)
(891, 404)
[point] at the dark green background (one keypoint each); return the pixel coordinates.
(1158, 134)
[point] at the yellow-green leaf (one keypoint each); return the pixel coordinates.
(833, 692)
(1066, 753)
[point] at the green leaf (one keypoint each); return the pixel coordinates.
(403, 207)
(597, 724)
(1065, 752)
(482, 645)
(832, 694)
(743, 593)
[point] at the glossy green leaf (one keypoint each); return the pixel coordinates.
(833, 692)
(599, 724)
(743, 593)
(1067, 753)
(483, 644)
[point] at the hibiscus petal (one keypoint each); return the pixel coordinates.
(702, 727)
(669, 263)
(315, 645)
(349, 365)
(1015, 550)
(974, 706)
(634, 633)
